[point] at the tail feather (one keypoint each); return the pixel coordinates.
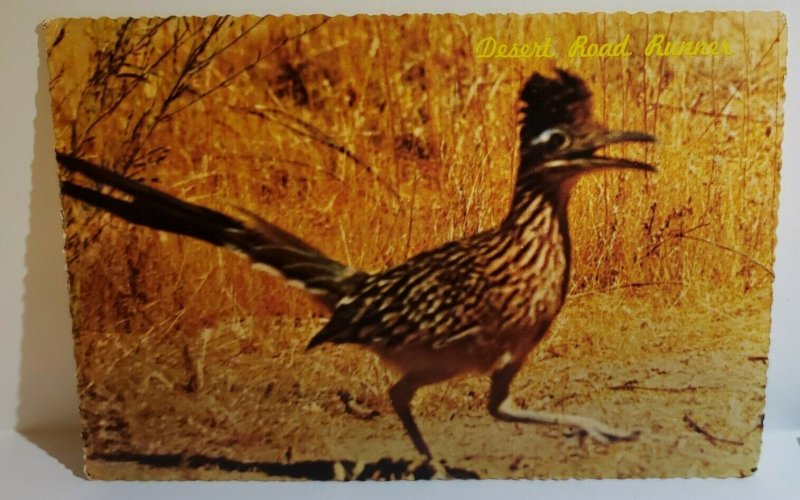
(268, 246)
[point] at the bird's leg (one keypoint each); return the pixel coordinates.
(401, 394)
(502, 406)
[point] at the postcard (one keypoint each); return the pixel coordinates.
(422, 246)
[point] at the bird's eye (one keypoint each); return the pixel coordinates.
(557, 139)
(553, 139)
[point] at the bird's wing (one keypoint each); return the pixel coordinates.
(433, 298)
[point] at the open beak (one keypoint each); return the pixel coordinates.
(581, 154)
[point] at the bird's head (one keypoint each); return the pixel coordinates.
(559, 137)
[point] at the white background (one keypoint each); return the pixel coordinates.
(40, 453)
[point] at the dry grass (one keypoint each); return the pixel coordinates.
(309, 120)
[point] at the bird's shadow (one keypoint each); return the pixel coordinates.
(384, 469)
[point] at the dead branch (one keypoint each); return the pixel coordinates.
(710, 437)
(310, 131)
(633, 385)
(729, 249)
(627, 285)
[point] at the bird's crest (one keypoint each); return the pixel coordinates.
(548, 102)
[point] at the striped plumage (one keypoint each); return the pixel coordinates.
(479, 304)
(511, 276)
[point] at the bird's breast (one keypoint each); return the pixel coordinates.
(530, 289)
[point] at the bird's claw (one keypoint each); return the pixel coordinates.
(603, 434)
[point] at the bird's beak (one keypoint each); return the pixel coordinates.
(581, 155)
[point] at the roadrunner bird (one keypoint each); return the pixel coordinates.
(479, 304)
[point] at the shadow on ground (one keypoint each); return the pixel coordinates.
(316, 470)
(63, 445)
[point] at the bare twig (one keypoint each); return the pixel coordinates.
(695, 111)
(310, 131)
(633, 385)
(213, 89)
(307, 130)
(236, 39)
(710, 437)
(298, 35)
(661, 241)
(627, 285)
(729, 249)
(741, 82)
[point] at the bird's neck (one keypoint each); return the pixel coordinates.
(539, 213)
(538, 198)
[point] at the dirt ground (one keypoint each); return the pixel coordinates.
(246, 401)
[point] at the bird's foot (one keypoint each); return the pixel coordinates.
(601, 433)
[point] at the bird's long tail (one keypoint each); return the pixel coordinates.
(268, 246)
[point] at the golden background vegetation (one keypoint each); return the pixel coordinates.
(374, 138)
